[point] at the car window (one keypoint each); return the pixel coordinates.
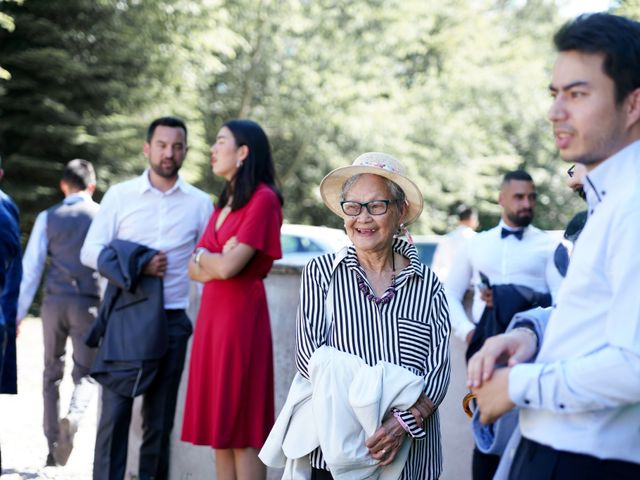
(295, 244)
(426, 251)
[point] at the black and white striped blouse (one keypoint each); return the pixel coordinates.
(411, 330)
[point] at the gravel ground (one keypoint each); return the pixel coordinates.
(24, 447)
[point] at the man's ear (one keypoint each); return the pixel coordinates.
(64, 187)
(633, 108)
(500, 198)
(145, 149)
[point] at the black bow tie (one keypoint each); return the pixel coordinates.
(516, 233)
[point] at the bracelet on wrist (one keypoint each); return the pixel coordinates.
(403, 424)
(197, 254)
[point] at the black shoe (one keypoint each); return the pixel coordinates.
(51, 462)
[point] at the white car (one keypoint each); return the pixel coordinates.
(300, 243)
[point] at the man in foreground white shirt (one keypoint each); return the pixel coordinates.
(580, 400)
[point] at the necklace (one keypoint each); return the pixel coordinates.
(388, 294)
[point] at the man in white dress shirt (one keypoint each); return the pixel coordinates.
(449, 246)
(70, 303)
(580, 401)
(160, 211)
(512, 257)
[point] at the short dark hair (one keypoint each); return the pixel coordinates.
(520, 175)
(615, 37)
(465, 212)
(173, 122)
(79, 173)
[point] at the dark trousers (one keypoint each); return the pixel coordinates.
(158, 411)
(534, 461)
(483, 466)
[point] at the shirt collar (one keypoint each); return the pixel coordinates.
(605, 178)
(402, 247)
(145, 184)
(76, 197)
(502, 225)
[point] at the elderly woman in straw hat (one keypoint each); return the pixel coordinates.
(374, 300)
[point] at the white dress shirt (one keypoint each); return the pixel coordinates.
(170, 221)
(504, 260)
(583, 393)
(35, 256)
(448, 249)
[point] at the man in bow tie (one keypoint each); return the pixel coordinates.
(508, 264)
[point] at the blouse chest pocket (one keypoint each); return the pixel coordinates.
(414, 339)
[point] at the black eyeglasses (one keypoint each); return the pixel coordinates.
(374, 207)
(570, 172)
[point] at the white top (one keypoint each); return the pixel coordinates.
(448, 249)
(504, 260)
(583, 393)
(35, 256)
(170, 221)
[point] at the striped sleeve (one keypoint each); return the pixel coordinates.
(438, 368)
(310, 321)
(437, 371)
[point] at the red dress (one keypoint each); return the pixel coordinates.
(230, 398)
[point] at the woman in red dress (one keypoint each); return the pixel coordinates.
(229, 404)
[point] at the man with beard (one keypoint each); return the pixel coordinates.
(508, 264)
(154, 220)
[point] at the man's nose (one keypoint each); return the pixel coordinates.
(557, 111)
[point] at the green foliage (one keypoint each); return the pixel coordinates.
(457, 90)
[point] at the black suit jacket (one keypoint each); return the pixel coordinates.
(507, 301)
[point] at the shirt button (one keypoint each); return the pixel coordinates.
(561, 406)
(527, 401)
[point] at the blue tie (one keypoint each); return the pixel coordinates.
(516, 233)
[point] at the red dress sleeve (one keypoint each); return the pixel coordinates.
(261, 224)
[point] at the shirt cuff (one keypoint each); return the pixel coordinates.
(410, 421)
(524, 385)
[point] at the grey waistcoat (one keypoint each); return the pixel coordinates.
(67, 225)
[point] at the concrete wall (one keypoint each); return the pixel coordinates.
(189, 462)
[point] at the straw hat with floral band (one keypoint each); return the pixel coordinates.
(376, 163)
